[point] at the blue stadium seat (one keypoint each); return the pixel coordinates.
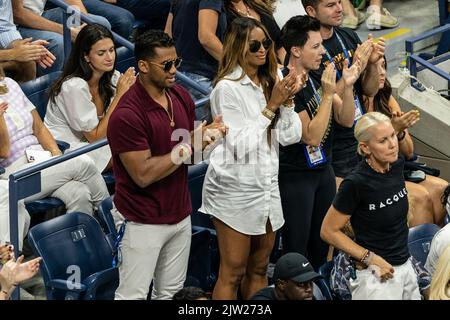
(196, 176)
(324, 283)
(106, 220)
(125, 59)
(204, 255)
(202, 270)
(36, 91)
(419, 240)
(76, 258)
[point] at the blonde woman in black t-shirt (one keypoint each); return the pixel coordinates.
(374, 198)
(424, 196)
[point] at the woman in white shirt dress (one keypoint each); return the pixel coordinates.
(241, 184)
(83, 98)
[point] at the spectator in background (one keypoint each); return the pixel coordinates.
(190, 293)
(306, 178)
(25, 140)
(85, 95)
(343, 44)
(374, 198)
(241, 185)
(425, 196)
(19, 57)
(37, 23)
(293, 277)
(262, 11)
(198, 28)
(441, 239)
(440, 285)
(14, 272)
(153, 12)
(119, 17)
(151, 179)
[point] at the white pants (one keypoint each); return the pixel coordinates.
(76, 182)
(403, 286)
(153, 252)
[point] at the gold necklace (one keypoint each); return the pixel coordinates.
(170, 104)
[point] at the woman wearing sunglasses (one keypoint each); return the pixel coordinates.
(83, 98)
(241, 184)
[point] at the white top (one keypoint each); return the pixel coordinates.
(441, 240)
(74, 113)
(37, 6)
(241, 184)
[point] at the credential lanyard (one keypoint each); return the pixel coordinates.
(316, 94)
(344, 50)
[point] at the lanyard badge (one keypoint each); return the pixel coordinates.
(358, 109)
(314, 155)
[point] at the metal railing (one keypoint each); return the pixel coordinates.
(27, 182)
(414, 59)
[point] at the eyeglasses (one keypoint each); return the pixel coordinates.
(255, 45)
(167, 66)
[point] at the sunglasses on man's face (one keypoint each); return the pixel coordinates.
(255, 45)
(167, 65)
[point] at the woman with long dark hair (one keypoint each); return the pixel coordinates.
(83, 98)
(25, 141)
(241, 184)
(425, 196)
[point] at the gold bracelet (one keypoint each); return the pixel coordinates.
(269, 114)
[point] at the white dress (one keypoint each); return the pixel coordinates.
(73, 113)
(241, 184)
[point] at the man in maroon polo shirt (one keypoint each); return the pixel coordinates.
(151, 180)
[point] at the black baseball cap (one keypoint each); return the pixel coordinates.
(295, 267)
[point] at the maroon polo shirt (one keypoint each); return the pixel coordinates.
(140, 123)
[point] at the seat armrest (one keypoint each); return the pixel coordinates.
(64, 285)
(94, 281)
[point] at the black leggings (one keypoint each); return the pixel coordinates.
(306, 197)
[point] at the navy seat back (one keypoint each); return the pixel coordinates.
(72, 243)
(106, 220)
(125, 59)
(201, 271)
(37, 91)
(196, 176)
(324, 283)
(419, 240)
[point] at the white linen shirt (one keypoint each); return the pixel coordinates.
(241, 184)
(73, 113)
